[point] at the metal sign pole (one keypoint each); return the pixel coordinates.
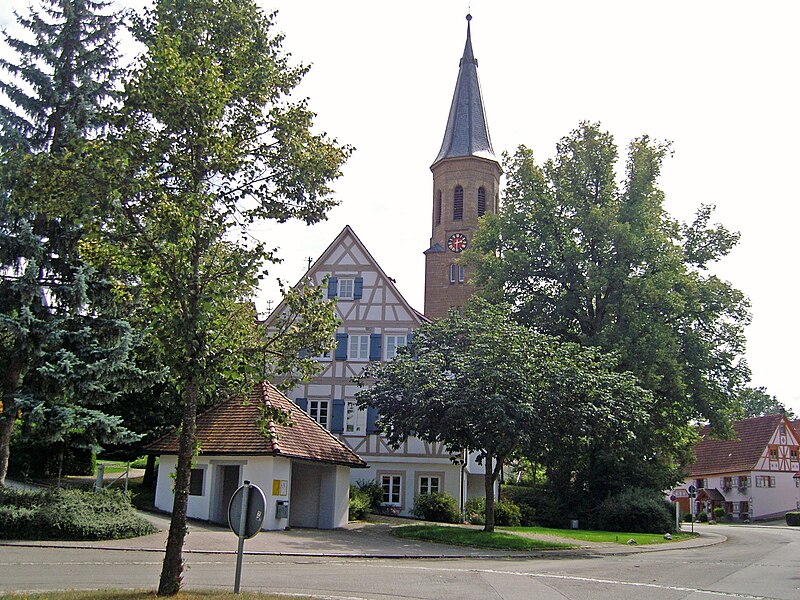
(242, 533)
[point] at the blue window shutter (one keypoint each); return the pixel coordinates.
(375, 346)
(333, 284)
(337, 422)
(372, 417)
(341, 346)
(358, 288)
(302, 403)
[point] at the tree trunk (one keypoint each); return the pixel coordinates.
(488, 485)
(149, 479)
(9, 415)
(172, 569)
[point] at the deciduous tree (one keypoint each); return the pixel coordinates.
(209, 142)
(483, 383)
(585, 257)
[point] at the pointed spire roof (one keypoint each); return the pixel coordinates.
(467, 133)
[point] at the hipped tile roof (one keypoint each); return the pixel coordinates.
(735, 455)
(233, 428)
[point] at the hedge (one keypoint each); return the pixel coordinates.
(66, 514)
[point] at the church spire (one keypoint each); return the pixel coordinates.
(467, 133)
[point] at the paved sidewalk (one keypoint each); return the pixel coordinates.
(357, 540)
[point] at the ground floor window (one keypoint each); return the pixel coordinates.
(430, 484)
(391, 489)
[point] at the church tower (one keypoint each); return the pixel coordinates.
(466, 185)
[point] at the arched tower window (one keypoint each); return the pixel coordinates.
(439, 208)
(458, 203)
(481, 202)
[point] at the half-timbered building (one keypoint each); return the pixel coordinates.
(751, 476)
(375, 321)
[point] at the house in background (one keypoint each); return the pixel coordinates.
(751, 476)
(302, 469)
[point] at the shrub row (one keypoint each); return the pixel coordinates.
(69, 515)
(365, 496)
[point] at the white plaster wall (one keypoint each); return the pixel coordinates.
(198, 506)
(261, 471)
(768, 501)
(334, 497)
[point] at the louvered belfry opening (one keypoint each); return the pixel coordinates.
(439, 208)
(458, 203)
(481, 201)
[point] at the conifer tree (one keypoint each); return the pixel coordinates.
(61, 341)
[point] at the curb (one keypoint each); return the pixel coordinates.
(555, 553)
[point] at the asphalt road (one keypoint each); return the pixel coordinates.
(755, 562)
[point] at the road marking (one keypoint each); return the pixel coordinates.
(673, 588)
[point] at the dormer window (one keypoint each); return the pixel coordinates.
(481, 202)
(458, 203)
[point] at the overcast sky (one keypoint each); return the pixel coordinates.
(717, 78)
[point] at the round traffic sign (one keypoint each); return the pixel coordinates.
(254, 512)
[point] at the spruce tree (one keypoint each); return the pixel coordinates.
(63, 349)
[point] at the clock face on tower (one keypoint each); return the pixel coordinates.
(457, 242)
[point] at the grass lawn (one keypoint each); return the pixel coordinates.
(475, 538)
(112, 466)
(142, 595)
(602, 536)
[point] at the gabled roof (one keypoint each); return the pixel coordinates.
(467, 133)
(233, 428)
(348, 231)
(739, 454)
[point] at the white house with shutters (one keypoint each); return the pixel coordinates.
(375, 321)
(754, 475)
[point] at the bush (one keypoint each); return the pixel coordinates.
(637, 511)
(793, 518)
(440, 507)
(506, 513)
(525, 498)
(360, 503)
(69, 515)
(373, 490)
(686, 517)
(719, 513)
(476, 510)
(703, 517)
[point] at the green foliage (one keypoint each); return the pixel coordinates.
(593, 260)
(703, 517)
(756, 402)
(64, 343)
(209, 142)
(793, 518)
(686, 517)
(507, 513)
(437, 506)
(525, 498)
(636, 510)
(719, 513)
(483, 383)
(360, 503)
(373, 489)
(68, 515)
(461, 536)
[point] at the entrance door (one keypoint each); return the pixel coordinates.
(228, 476)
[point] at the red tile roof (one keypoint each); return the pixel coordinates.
(735, 455)
(233, 428)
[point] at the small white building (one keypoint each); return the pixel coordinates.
(303, 470)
